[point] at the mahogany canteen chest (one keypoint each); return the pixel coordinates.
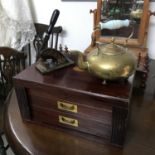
(75, 101)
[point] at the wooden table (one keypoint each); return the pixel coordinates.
(31, 139)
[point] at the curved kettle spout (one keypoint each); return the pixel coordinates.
(81, 63)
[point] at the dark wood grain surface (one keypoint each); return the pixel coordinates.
(26, 138)
(74, 81)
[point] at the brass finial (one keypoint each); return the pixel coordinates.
(113, 40)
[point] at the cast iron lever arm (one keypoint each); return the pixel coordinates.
(53, 20)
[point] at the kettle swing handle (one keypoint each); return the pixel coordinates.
(129, 37)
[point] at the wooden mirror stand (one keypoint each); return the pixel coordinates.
(115, 10)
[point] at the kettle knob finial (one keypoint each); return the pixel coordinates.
(113, 40)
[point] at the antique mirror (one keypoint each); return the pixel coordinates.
(121, 19)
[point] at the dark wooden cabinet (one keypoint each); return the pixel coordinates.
(75, 101)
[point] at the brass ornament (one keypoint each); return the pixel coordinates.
(109, 62)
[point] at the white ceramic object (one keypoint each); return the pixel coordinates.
(114, 24)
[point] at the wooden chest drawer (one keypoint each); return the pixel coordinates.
(52, 102)
(61, 119)
(74, 101)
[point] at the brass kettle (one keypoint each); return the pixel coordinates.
(109, 62)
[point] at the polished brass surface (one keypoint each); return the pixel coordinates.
(68, 121)
(67, 106)
(109, 62)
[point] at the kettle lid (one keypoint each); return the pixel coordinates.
(111, 49)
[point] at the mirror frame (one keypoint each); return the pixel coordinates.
(141, 39)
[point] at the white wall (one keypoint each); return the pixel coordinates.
(151, 33)
(74, 17)
(77, 22)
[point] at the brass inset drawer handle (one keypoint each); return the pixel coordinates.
(67, 106)
(68, 121)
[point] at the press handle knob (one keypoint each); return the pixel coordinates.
(53, 20)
